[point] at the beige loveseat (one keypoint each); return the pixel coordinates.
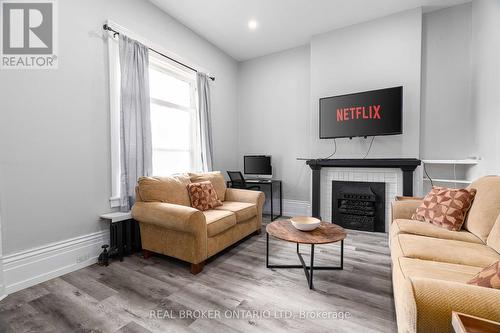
(170, 226)
(431, 265)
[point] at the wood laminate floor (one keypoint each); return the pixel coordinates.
(234, 293)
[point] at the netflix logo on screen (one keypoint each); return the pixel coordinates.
(369, 113)
(359, 113)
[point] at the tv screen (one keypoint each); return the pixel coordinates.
(257, 165)
(370, 113)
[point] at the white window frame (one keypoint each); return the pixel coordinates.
(114, 98)
(170, 68)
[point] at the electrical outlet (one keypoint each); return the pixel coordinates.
(82, 258)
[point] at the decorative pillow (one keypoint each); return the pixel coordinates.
(203, 195)
(445, 207)
(489, 277)
(215, 177)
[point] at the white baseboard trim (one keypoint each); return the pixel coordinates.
(27, 268)
(291, 208)
(3, 294)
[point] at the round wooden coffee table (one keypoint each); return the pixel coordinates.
(326, 233)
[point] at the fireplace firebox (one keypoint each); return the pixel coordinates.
(359, 205)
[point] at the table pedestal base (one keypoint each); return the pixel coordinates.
(308, 270)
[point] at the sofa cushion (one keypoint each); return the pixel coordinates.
(486, 206)
(203, 196)
(417, 268)
(243, 210)
(445, 207)
(426, 229)
(215, 177)
(493, 240)
(489, 277)
(442, 250)
(165, 189)
(218, 221)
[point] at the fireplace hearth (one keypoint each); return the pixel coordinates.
(359, 205)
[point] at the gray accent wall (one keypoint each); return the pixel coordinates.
(273, 109)
(486, 84)
(447, 118)
(450, 70)
(54, 124)
(378, 54)
(278, 95)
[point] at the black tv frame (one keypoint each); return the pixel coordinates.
(361, 136)
(263, 174)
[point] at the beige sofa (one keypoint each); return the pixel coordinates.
(431, 265)
(170, 226)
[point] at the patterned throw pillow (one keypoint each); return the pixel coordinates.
(489, 277)
(445, 207)
(203, 195)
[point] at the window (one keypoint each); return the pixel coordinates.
(174, 120)
(174, 117)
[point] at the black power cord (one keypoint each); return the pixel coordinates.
(334, 150)
(369, 148)
(427, 175)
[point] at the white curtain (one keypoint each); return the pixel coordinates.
(202, 81)
(135, 119)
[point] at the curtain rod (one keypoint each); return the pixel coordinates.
(108, 28)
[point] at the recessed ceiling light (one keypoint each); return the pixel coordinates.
(252, 24)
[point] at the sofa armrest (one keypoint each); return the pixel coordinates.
(239, 195)
(404, 209)
(170, 216)
(436, 299)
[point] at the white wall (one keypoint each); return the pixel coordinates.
(273, 112)
(54, 125)
(2, 284)
(486, 84)
(378, 54)
(278, 112)
(447, 116)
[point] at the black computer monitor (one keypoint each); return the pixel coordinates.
(257, 165)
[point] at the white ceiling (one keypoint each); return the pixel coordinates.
(282, 24)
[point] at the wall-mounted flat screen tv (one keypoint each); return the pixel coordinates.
(370, 113)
